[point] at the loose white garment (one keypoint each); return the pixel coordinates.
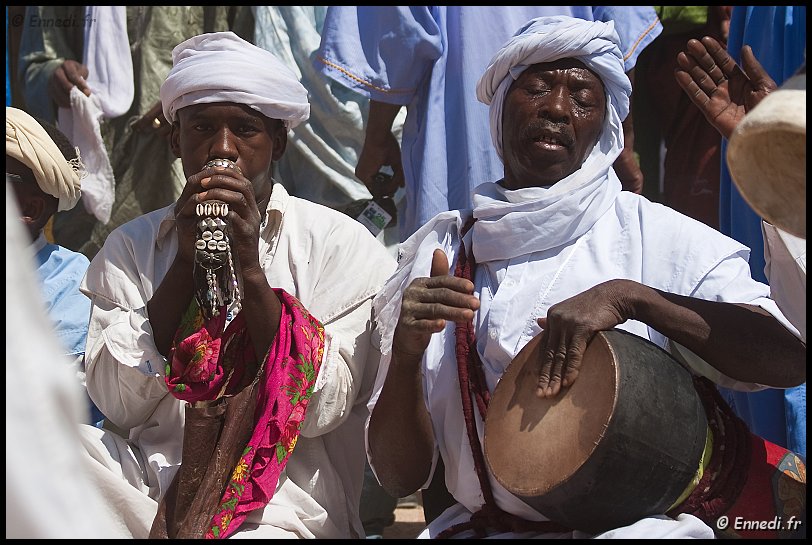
(110, 78)
(684, 527)
(222, 67)
(28, 142)
(329, 262)
(785, 269)
(48, 491)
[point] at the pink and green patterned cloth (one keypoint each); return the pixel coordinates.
(208, 361)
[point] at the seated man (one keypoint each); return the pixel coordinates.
(45, 170)
(267, 331)
(555, 249)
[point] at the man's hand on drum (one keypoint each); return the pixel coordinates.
(568, 328)
(427, 304)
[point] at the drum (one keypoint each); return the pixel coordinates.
(623, 442)
(766, 157)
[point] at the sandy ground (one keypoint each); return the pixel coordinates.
(409, 522)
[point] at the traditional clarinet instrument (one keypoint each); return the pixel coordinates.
(216, 270)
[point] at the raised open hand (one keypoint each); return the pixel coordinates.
(721, 89)
(428, 303)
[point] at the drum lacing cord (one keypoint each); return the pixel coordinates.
(726, 474)
(473, 385)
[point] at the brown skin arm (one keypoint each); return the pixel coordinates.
(69, 74)
(380, 148)
(401, 438)
(744, 342)
(722, 90)
(260, 305)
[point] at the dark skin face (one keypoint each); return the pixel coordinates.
(552, 117)
(36, 206)
(246, 137)
(229, 131)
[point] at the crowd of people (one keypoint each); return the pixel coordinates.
(216, 347)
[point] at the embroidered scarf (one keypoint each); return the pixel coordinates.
(207, 362)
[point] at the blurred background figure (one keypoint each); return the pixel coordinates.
(679, 150)
(319, 163)
(427, 58)
(46, 171)
(48, 494)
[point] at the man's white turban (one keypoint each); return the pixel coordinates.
(547, 39)
(222, 67)
(30, 144)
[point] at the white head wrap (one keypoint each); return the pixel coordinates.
(547, 39)
(30, 144)
(222, 67)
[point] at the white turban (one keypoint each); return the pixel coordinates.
(547, 39)
(222, 67)
(30, 144)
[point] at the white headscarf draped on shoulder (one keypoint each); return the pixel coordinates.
(30, 144)
(222, 67)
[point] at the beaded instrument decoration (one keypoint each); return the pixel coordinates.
(215, 268)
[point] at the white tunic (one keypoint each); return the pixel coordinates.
(334, 267)
(632, 239)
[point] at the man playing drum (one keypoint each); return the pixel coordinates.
(554, 249)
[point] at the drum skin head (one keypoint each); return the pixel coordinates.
(533, 445)
(620, 444)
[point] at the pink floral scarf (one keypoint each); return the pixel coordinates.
(207, 362)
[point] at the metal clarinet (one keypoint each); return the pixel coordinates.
(216, 270)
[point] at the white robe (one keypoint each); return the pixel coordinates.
(633, 239)
(334, 267)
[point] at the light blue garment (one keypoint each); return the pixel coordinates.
(429, 58)
(777, 35)
(61, 271)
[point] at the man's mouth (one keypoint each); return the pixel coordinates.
(553, 139)
(551, 142)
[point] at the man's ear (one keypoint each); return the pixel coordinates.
(174, 138)
(280, 142)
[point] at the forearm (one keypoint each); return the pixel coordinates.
(401, 439)
(262, 310)
(381, 117)
(744, 342)
(169, 303)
